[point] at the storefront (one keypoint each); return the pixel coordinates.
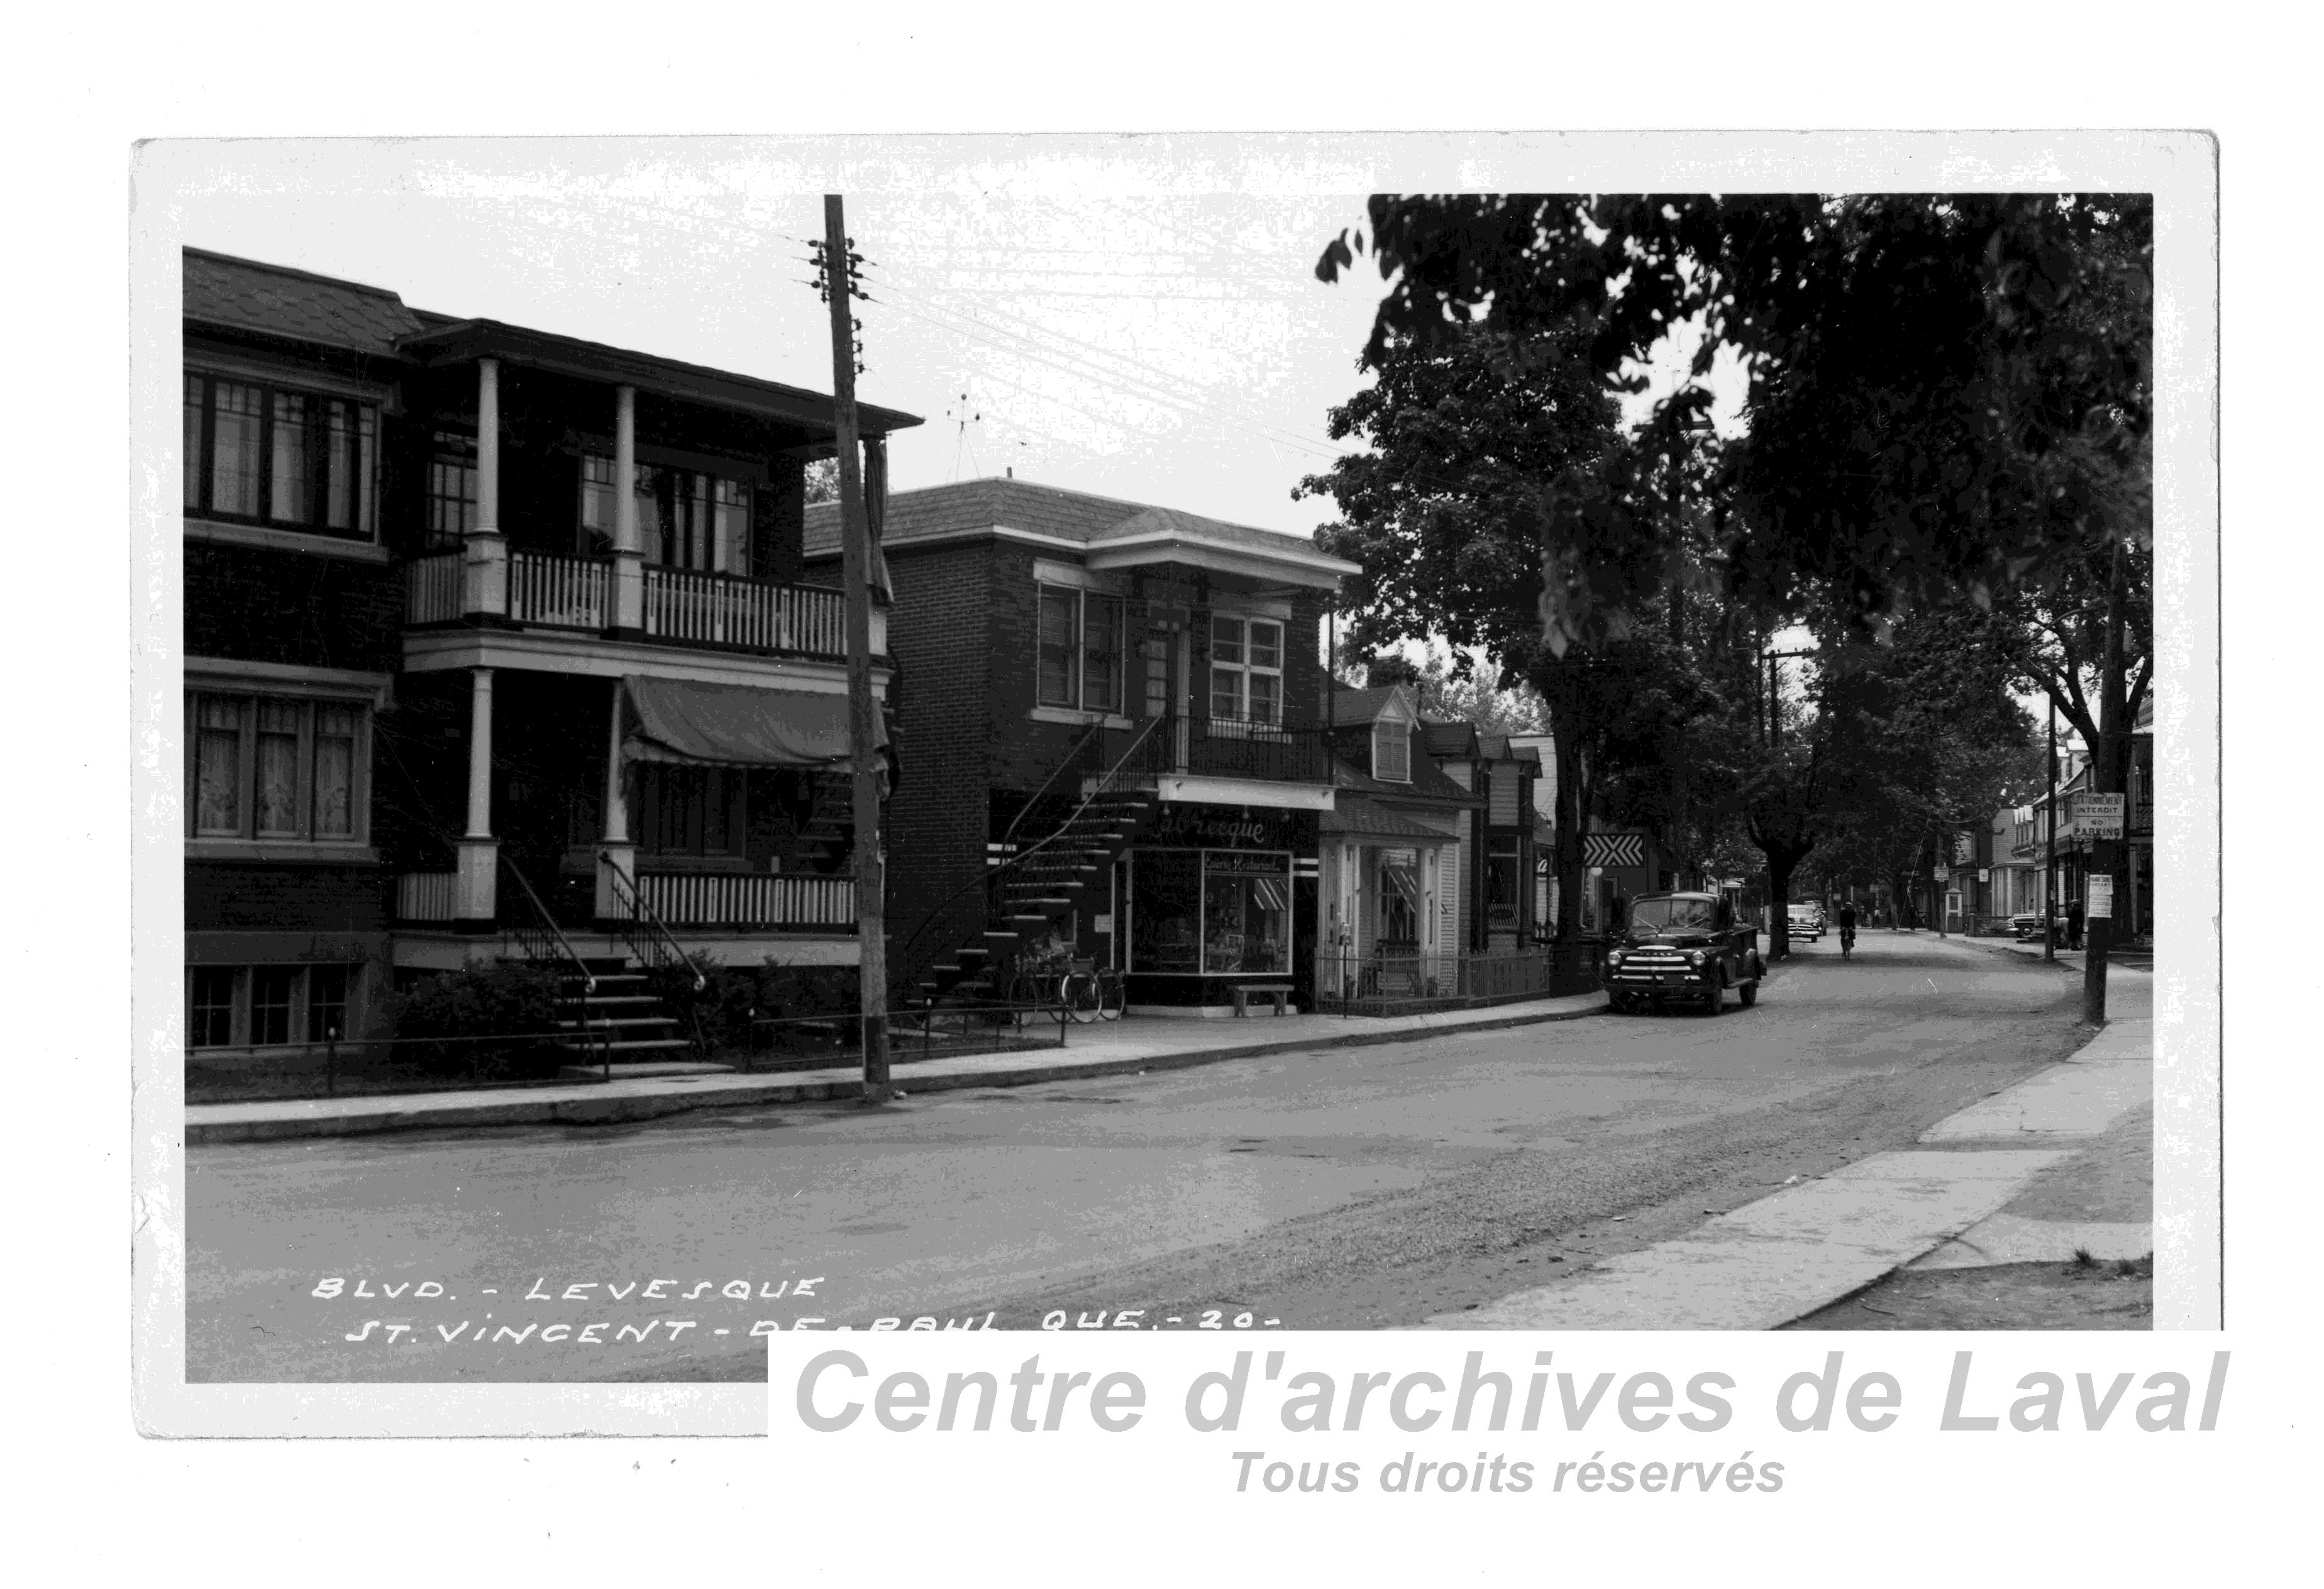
(1212, 896)
(1390, 885)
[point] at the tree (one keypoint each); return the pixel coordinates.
(1948, 393)
(823, 480)
(1449, 513)
(1946, 390)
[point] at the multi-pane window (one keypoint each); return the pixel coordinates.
(327, 1004)
(687, 518)
(1080, 649)
(247, 1006)
(451, 487)
(297, 459)
(1246, 670)
(210, 1022)
(272, 767)
(692, 810)
(1392, 751)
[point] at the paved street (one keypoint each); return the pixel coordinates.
(1352, 1188)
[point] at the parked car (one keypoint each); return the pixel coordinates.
(1806, 920)
(1683, 949)
(2026, 924)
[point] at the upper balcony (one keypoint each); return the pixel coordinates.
(489, 587)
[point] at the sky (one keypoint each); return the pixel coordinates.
(1140, 318)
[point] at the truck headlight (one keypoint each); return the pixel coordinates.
(1696, 957)
(1615, 956)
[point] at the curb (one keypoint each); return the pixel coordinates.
(627, 1109)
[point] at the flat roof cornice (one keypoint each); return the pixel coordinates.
(668, 377)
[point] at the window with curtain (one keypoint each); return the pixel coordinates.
(274, 455)
(686, 518)
(276, 768)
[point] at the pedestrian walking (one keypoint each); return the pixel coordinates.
(2074, 924)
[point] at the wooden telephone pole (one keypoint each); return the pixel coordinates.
(863, 711)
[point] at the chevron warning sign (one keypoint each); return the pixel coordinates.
(1613, 849)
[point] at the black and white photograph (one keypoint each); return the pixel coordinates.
(1237, 761)
(1321, 851)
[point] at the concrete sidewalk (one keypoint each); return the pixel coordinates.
(2032, 1173)
(1109, 1049)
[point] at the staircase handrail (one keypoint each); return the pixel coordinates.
(1105, 784)
(1072, 758)
(545, 922)
(664, 943)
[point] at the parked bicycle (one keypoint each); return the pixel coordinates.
(1085, 992)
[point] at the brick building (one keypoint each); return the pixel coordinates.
(451, 695)
(1059, 648)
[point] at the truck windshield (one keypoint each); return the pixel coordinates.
(1656, 914)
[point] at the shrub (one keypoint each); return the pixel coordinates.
(734, 998)
(507, 999)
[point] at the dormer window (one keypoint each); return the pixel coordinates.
(1392, 750)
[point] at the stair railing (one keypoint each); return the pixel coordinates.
(995, 878)
(542, 940)
(642, 930)
(652, 941)
(545, 943)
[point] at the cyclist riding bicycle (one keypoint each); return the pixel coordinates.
(1847, 928)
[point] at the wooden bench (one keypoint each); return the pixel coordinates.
(1244, 992)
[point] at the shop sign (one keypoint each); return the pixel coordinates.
(1217, 828)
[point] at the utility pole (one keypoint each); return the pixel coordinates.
(863, 711)
(2050, 867)
(2105, 778)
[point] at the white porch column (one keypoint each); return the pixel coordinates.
(615, 849)
(479, 870)
(629, 604)
(484, 551)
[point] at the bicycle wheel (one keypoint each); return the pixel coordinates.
(1024, 999)
(1078, 991)
(1112, 994)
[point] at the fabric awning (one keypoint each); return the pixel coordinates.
(737, 725)
(1359, 818)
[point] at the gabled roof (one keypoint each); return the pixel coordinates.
(248, 296)
(1352, 709)
(1100, 522)
(1429, 786)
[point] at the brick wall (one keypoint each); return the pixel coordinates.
(237, 896)
(274, 606)
(939, 635)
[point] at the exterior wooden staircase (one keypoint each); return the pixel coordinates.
(1082, 819)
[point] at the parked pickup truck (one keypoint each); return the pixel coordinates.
(1683, 949)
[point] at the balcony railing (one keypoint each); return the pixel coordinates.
(558, 593)
(720, 610)
(1222, 748)
(674, 606)
(426, 896)
(431, 589)
(730, 899)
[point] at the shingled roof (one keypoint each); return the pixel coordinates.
(246, 295)
(1038, 509)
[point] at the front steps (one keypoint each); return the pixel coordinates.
(621, 1021)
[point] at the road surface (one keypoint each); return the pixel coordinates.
(1336, 1189)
